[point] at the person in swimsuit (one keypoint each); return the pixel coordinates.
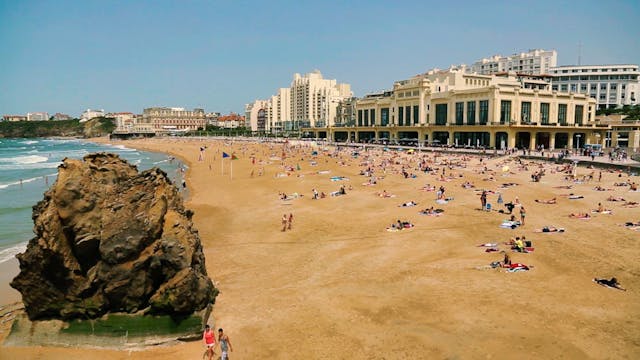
(522, 214)
(209, 339)
(225, 345)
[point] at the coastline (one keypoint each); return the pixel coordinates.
(339, 286)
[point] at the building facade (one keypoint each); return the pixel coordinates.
(310, 101)
(533, 62)
(611, 85)
(458, 108)
(166, 119)
(90, 114)
(60, 117)
(37, 116)
(125, 121)
(14, 118)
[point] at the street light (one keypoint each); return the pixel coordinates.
(578, 136)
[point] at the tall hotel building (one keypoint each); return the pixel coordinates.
(310, 101)
(533, 62)
(610, 85)
(456, 107)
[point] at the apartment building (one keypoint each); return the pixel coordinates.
(533, 62)
(37, 116)
(610, 85)
(310, 101)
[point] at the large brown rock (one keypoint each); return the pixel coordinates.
(110, 239)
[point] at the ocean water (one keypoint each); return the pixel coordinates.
(28, 167)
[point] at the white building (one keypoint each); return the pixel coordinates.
(124, 120)
(610, 85)
(533, 62)
(37, 116)
(90, 114)
(310, 101)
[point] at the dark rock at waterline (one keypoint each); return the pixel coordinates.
(111, 239)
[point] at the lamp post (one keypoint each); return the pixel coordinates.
(578, 136)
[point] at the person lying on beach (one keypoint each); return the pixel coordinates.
(399, 225)
(551, 201)
(600, 188)
(580, 215)
(632, 224)
(385, 194)
(428, 187)
(575, 197)
(631, 204)
(612, 283)
(431, 211)
(615, 198)
(408, 204)
(549, 229)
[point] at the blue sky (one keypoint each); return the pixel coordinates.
(66, 56)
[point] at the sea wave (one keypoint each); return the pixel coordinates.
(29, 142)
(24, 181)
(10, 253)
(27, 159)
(30, 166)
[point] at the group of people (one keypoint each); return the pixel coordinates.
(210, 342)
(287, 221)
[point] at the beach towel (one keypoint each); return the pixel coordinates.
(547, 230)
(488, 245)
(339, 178)
(510, 224)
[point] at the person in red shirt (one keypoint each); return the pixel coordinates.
(209, 338)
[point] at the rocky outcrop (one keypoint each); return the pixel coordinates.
(111, 239)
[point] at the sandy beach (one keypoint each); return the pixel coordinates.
(339, 285)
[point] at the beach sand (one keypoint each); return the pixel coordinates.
(339, 286)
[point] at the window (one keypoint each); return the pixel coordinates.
(372, 119)
(562, 114)
(384, 116)
(583, 87)
(484, 111)
(459, 113)
(594, 87)
(544, 113)
(366, 117)
(554, 87)
(525, 113)
(574, 87)
(441, 114)
(471, 112)
(400, 116)
(564, 88)
(578, 114)
(407, 115)
(416, 114)
(603, 86)
(505, 111)
(359, 117)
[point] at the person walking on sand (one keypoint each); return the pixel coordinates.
(290, 221)
(209, 339)
(522, 215)
(225, 345)
(285, 220)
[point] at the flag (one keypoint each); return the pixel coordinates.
(234, 157)
(225, 155)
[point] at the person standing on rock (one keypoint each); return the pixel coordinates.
(225, 345)
(209, 339)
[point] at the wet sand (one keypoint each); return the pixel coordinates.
(338, 285)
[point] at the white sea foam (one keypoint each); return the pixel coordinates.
(9, 253)
(29, 166)
(28, 159)
(24, 181)
(29, 142)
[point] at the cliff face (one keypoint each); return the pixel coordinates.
(66, 128)
(110, 239)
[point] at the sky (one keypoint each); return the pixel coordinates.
(67, 56)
